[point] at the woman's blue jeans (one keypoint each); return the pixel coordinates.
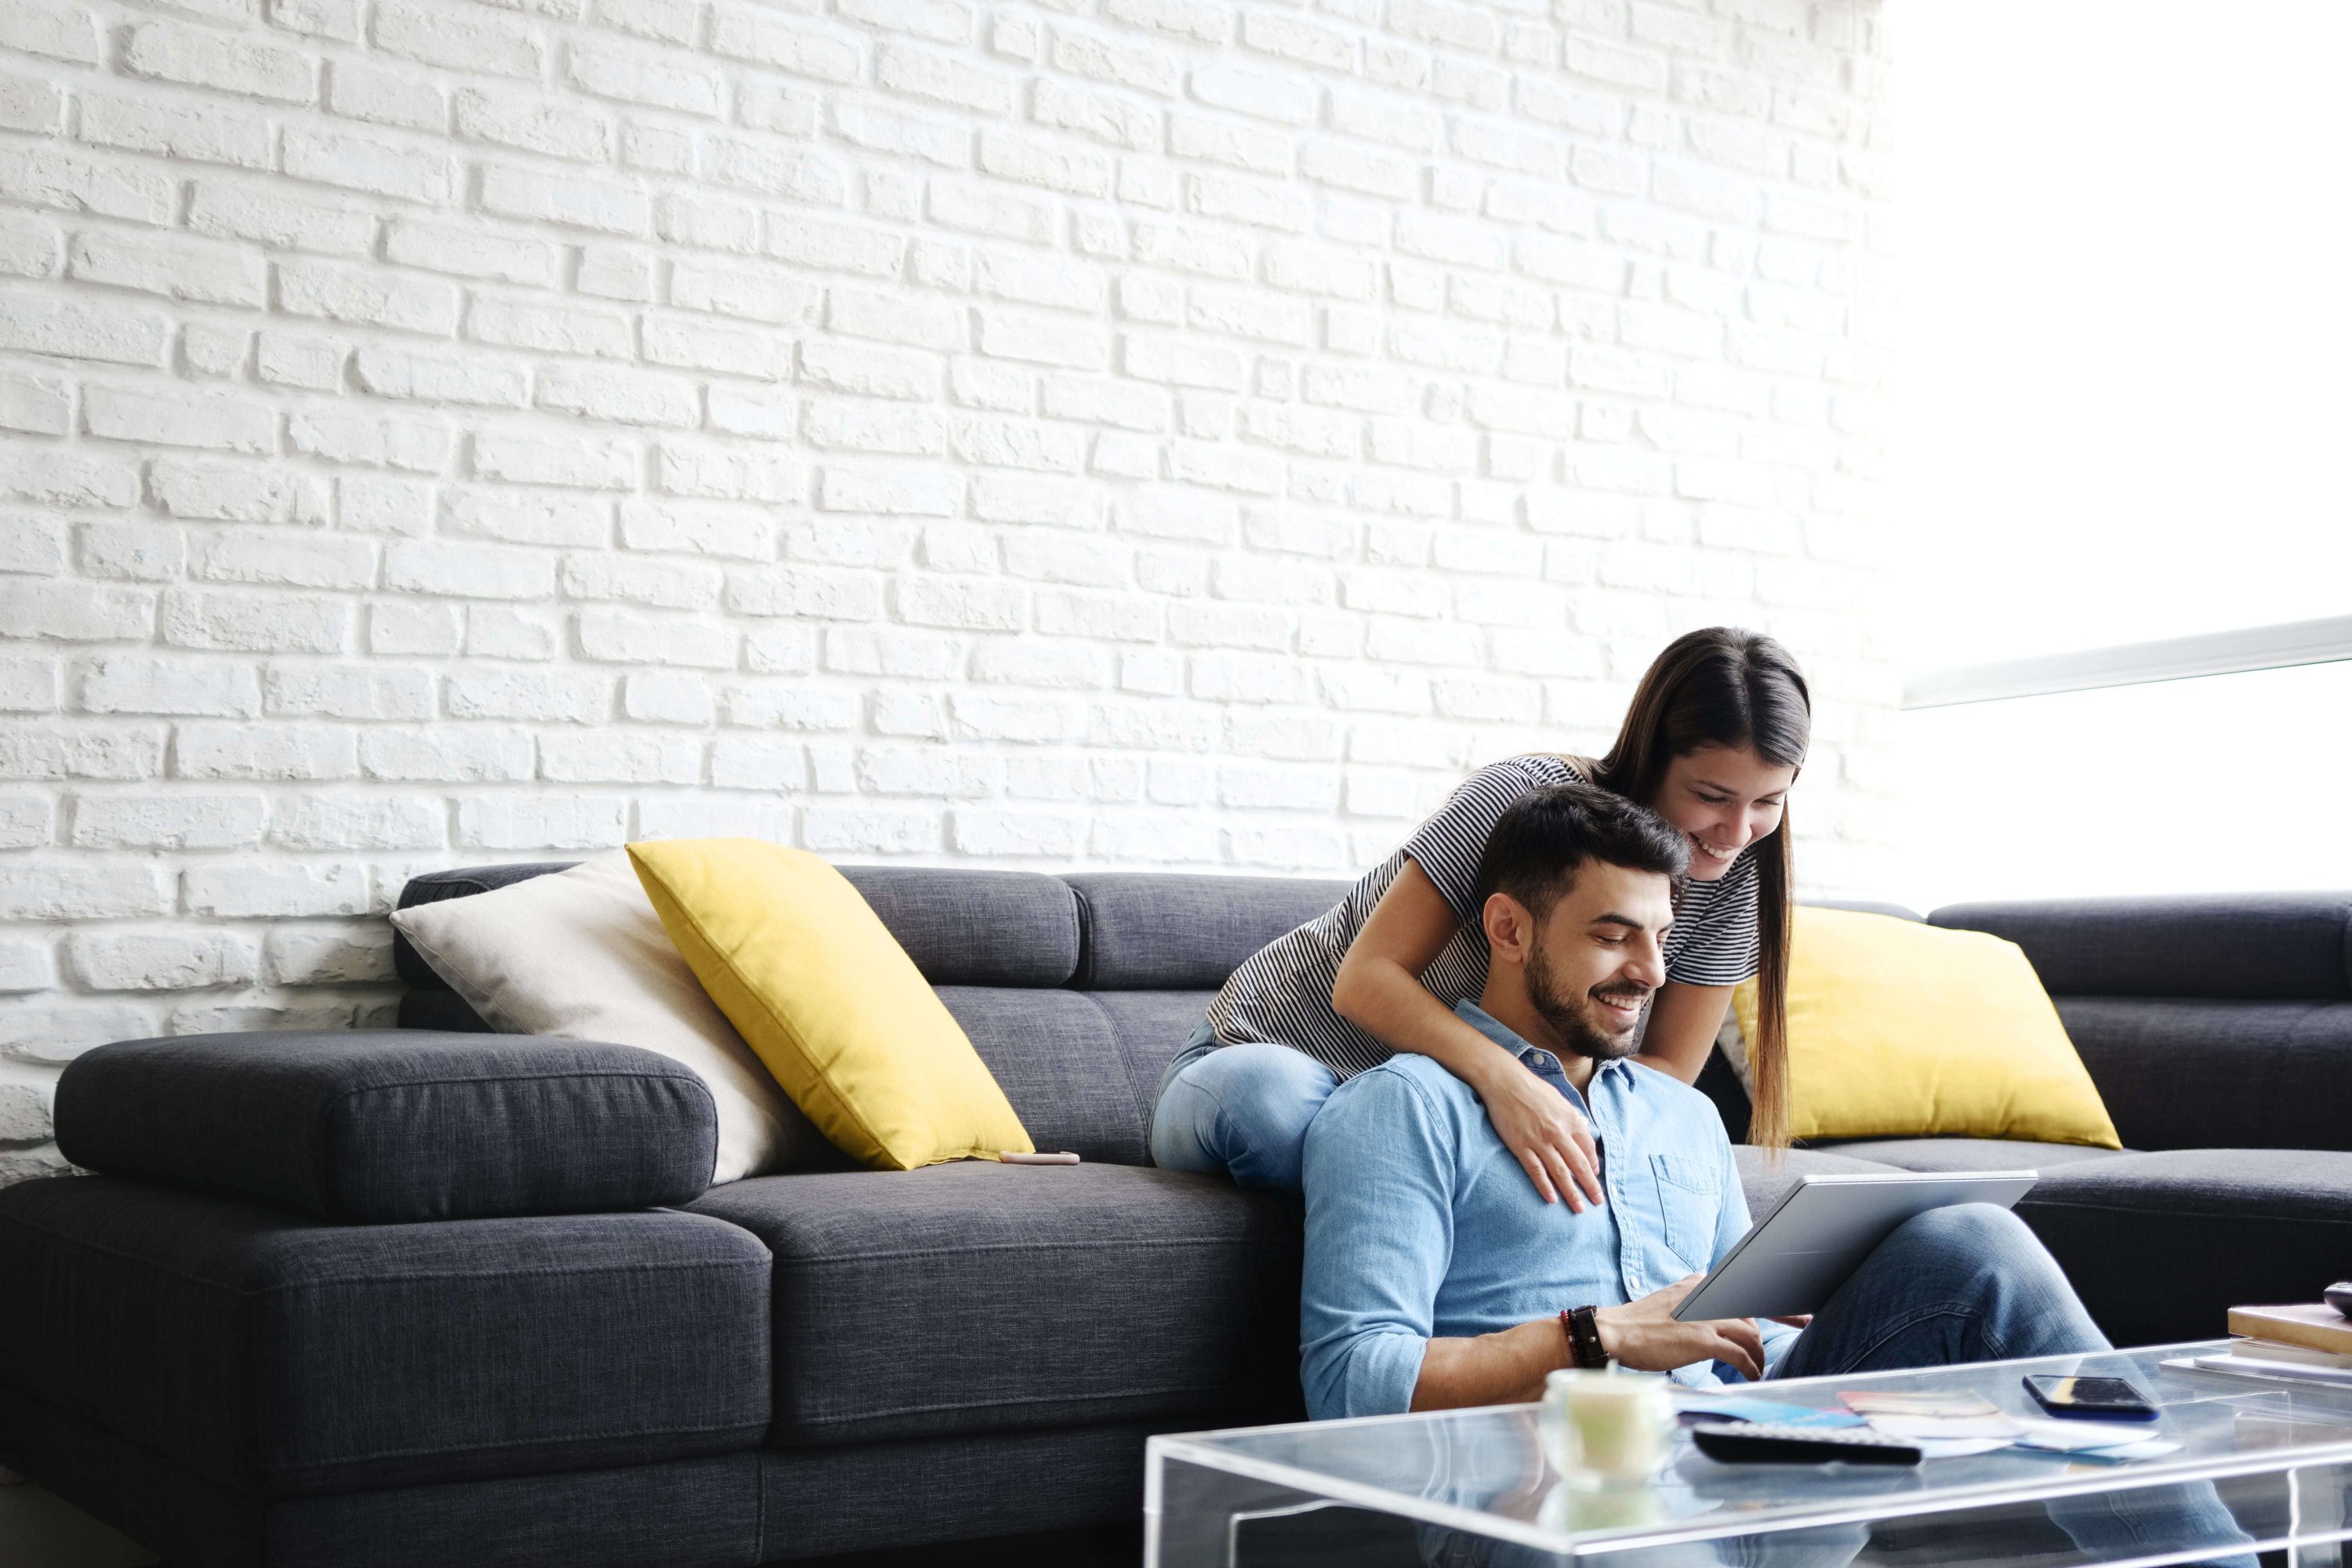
(1240, 1110)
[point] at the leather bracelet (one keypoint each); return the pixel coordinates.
(1584, 1346)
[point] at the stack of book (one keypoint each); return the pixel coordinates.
(2300, 1343)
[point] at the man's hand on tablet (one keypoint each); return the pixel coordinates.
(1643, 1334)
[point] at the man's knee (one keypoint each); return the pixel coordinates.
(1984, 1254)
(1971, 1249)
(1969, 1231)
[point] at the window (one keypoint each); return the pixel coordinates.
(2120, 417)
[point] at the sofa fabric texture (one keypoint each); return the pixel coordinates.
(844, 1360)
(2272, 1074)
(1146, 931)
(2278, 947)
(279, 1357)
(982, 1297)
(394, 1125)
(675, 1513)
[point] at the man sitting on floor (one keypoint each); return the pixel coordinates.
(1436, 1275)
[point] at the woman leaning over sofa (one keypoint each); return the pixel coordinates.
(1717, 732)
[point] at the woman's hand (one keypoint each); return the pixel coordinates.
(1551, 1137)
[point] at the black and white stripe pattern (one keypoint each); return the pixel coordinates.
(1282, 993)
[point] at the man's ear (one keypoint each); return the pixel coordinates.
(1510, 929)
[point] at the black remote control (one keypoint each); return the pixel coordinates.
(1757, 1443)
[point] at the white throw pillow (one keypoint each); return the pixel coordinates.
(581, 953)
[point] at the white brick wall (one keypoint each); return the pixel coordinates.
(1149, 432)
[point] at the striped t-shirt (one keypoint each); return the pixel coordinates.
(1282, 993)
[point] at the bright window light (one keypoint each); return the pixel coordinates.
(2121, 414)
(2122, 404)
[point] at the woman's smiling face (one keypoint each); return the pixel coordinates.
(1724, 798)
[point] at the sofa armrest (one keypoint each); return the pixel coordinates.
(2277, 947)
(394, 1125)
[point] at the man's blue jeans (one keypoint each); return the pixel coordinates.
(1965, 1284)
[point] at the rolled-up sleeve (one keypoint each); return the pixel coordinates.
(1379, 1173)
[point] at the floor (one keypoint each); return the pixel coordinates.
(40, 1529)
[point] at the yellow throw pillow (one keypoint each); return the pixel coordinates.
(825, 996)
(1900, 1029)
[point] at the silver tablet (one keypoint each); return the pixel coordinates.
(1792, 1260)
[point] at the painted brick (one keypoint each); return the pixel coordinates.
(211, 133)
(285, 219)
(296, 955)
(342, 293)
(620, 759)
(634, 74)
(559, 822)
(446, 753)
(226, 421)
(686, 424)
(141, 550)
(360, 822)
(346, 691)
(544, 696)
(258, 622)
(73, 331)
(87, 888)
(247, 892)
(622, 396)
(622, 636)
(60, 32)
(38, 404)
(458, 39)
(69, 182)
(208, 57)
(148, 821)
(197, 488)
(136, 684)
(248, 751)
(467, 570)
(359, 90)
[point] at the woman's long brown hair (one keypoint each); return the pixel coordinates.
(1725, 687)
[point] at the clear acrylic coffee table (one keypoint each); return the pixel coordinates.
(2262, 1467)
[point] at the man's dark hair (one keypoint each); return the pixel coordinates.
(1546, 834)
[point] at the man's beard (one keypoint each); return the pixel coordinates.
(1570, 1017)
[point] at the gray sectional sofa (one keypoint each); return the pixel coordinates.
(430, 1295)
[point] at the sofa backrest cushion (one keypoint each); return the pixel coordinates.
(975, 926)
(1157, 930)
(960, 927)
(2251, 946)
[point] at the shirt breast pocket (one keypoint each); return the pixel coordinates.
(1690, 1199)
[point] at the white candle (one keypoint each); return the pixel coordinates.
(1608, 1426)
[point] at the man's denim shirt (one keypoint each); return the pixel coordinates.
(1421, 1223)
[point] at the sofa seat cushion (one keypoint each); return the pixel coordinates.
(980, 1297)
(2161, 1245)
(1961, 1153)
(280, 1357)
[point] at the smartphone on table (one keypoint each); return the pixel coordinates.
(2092, 1398)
